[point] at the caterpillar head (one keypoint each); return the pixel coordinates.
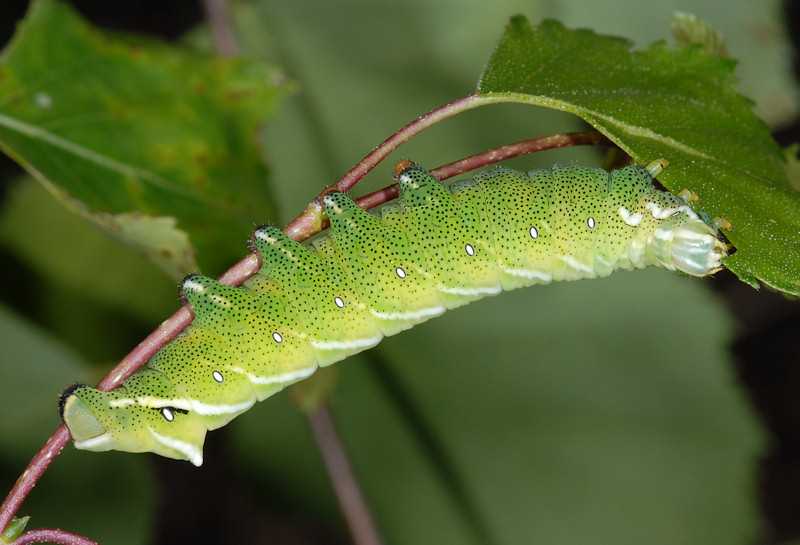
(685, 241)
(121, 420)
(696, 248)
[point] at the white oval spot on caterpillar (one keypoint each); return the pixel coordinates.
(590, 222)
(400, 272)
(534, 233)
(217, 376)
(168, 414)
(470, 250)
(277, 337)
(339, 302)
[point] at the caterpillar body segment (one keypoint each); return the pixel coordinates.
(377, 273)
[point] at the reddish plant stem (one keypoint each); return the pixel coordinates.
(524, 147)
(492, 156)
(50, 535)
(31, 475)
(345, 484)
(221, 29)
(308, 222)
(149, 346)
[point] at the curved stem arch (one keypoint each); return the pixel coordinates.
(306, 224)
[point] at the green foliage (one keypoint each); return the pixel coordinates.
(596, 411)
(115, 125)
(680, 105)
(14, 529)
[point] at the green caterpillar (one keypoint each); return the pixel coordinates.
(374, 274)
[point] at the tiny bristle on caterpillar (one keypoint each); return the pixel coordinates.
(373, 274)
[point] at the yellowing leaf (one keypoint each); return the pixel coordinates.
(122, 124)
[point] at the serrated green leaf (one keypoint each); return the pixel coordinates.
(537, 465)
(679, 105)
(121, 124)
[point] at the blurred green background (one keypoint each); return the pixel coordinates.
(607, 411)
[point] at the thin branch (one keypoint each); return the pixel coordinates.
(354, 508)
(490, 157)
(309, 221)
(221, 29)
(31, 475)
(51, 535)
(524, 147)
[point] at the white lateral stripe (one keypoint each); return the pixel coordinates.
(494, 290)
(529, 273)
(663, 213)
(191, 452)
(160, 403)
(368, 342)
(264, 236)
(94, 442)
(575, 264)
(194, 286)
(423, 313)
(658, 212)
(121, 403)
(279, 379)
(632, 220)
(151, 402)
(207, 409)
